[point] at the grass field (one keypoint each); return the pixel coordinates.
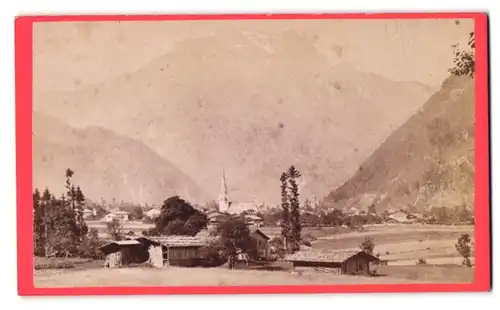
(401, 245)
(404, 244)
(223, 277)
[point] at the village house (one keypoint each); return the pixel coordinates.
(153, 213)
(122, 216)
(352, 261)
(158, 251)
(214, 219)
(262, 243)
(254, 220)
(260, 238)
(88, 213)
(402, 217)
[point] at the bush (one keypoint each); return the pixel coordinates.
(421, 261)
(367, 245)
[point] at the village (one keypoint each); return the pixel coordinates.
(126, 241)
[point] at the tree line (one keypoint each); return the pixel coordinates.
(59, 227)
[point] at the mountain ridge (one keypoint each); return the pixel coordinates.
(435, 163)
(212, 108)
(102, 165)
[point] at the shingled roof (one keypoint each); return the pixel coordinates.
(313, 255)
(180, 241)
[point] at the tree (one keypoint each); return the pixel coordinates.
(372, 209)
(73, 235)
(115, 229)
(82, 228)
(286, 230)
(308, 205)
(234, 235)
(465, 61)
(293, 175)
(179, 217)
(212, 205)
(367, 245)
(89, 247)
(38, 224)
(463, 246)
(136, 212)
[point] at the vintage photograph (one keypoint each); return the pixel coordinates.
(253, 152)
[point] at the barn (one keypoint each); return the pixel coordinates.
(180, 250)
(135, 251)
(158, 251)
(352, 261)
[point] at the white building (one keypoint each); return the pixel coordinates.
(122, 216)
(153, 213)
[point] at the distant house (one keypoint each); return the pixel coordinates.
(88, 213)
(153, 213)
(119, 215)
(260, 238)
(254, 220)
(402, 217)
(214, 219)
(353, 262)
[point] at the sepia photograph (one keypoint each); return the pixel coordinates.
(254, 152)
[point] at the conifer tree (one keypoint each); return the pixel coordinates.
(82, 228)
(38, 224)
(45, 205)
(293, 175)
(285, 212)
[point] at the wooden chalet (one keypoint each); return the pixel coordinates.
(353, 261)
(158, 251)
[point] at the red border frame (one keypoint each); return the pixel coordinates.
(24, 92)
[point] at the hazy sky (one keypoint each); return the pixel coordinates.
(71, 55)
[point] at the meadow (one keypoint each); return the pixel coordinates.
(401, 245)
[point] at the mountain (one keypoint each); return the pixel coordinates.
(106, 165)
(251, 104)
(427, 162)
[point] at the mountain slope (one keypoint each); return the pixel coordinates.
(429, 161)
(252, 104)
(107, 165)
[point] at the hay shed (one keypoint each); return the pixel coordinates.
(352, 261)
(135, 251)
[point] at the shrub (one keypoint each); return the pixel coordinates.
(463, 247)
(421, 261)
(367, 245)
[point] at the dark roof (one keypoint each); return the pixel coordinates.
(179, 241)
(258, 231)
(116, 246)
(338, 256)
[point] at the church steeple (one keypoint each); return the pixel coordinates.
(223, 198)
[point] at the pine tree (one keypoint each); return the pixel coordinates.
(38, 224)
(72, 237)
(285, 212)
(293, 175)
(82, 228)
(45, 206)
(66, 227)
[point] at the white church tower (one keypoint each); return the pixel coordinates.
(223, 198)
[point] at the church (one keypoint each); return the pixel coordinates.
(232, 207)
